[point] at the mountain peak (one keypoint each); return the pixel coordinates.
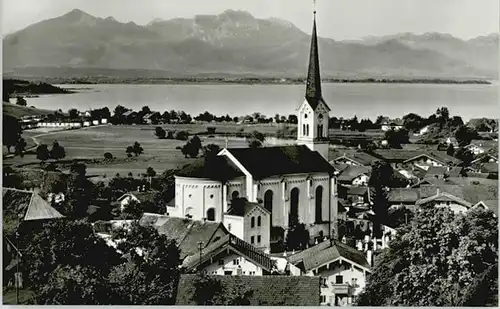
(77, 14)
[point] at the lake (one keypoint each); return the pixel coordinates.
(345, 100)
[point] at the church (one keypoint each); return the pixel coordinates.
(280, 184)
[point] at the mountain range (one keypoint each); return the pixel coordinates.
(235, 42)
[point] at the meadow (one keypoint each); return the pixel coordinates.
(161, 154)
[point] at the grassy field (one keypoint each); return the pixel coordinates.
(20, 111)
(93, 142)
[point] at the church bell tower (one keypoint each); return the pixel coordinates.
(313, 113)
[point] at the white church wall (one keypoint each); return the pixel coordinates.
(194, 196)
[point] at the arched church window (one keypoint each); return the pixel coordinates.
(268, 203)
(303, 129)
(319, 204)
(235, 195)
(211, 214)
(259, 221)
(252, 222)
(294, 204)
(307, 129)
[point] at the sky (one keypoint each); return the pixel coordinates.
(337, 19)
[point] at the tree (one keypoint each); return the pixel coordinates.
(57, 152)
(160, 133)
(396, 137)
(450, 150)
(182, 136)
(431, 261)
(150, 172)
(413, 122)
(129, 150)
(150, 274)
(443, 115)
(20, 147)
(66, 262)
(21, 101)
(74, 285)
(42, 152)
(206, 289)
(465, 135)
(11, 132)
(292, 119)
(211, 150)
(192, 147)
(381, 177)
(132, 210)
(136, 148)
(483, 292)
(108, 156)
(465, 155)
(145, 110)
(399, 216)
(253, 143)
(120, 110)
(73, 113)
(297, 237)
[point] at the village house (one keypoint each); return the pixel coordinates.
(343, 270)
(388, 125)
(230, 256)
(250, 222)
(354, 157)
(354, 175)
(270, 290)
(139, 196)
(20, 207)
(151, 118)
(401, 158)
(188, 234)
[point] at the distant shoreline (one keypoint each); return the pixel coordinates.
(259, 81)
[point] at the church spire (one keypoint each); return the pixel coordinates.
(313, 88)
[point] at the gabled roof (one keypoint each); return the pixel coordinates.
(403, 195)
(490, 167)
(142, 196)
(242, 207)
(327, 252)
(187, 233)
(444, 197)
(356, 156)
(351, 172)
(267, 290)
(22, 205)
(358, 190)
(234, 244)
(437, 170)
(403, 155)
(471, 193)
(129, 113)
(490, 204)
(276, 161)
(215, 168)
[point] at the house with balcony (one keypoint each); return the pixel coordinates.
(230, 256)
(188, 234)
(343, 270)
(250, 222)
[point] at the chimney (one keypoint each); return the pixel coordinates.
(369, 257)
(437, 191)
